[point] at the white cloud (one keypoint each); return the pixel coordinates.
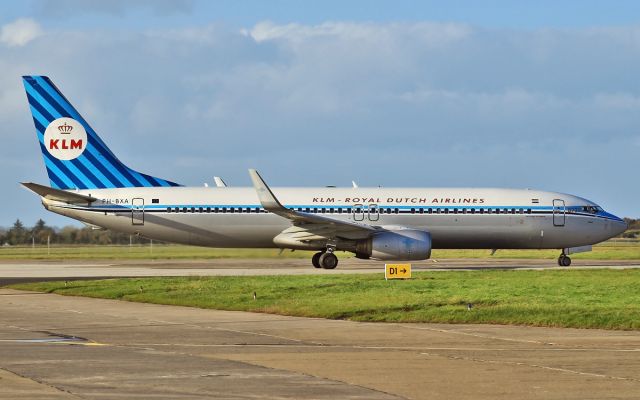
(66, 8)
(20, 32)
(431, 33)
(364, 94)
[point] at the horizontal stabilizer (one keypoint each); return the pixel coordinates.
(57, 194)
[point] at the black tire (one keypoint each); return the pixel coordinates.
(566, 261)
(560, 260)
(328, 261)
(315, 260)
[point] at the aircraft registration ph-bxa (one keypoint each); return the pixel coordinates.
(89, 183)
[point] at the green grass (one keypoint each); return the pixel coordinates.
(606, 299)
(612, 250)
(137, 252)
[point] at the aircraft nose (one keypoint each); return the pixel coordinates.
(620, 227)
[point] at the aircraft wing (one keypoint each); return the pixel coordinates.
(57, 194)
(309, 225)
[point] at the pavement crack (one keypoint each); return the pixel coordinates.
(40, 382)
(523, 364)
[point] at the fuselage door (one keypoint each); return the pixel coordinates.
(374, 212)
(137, 211)
(357, 212)
(558, 212)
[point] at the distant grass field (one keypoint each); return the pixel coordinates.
(605, 299)
(612, 250)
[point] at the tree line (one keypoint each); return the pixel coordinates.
(41, 234)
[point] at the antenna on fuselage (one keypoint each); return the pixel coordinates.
(355, 185)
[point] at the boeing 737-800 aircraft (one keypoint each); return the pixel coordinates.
(88, 183)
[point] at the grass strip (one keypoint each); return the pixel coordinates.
(606, 251)
(607, 299)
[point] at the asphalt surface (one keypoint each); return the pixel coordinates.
(56, 347)
(30, 271)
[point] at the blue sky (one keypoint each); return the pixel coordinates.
(460, 93)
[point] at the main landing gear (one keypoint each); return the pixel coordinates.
(326, 260)
(564, 260)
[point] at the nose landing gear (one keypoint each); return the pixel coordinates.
(564, 260)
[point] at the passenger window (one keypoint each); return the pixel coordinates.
(422, 211)
(339, 210)
(200, 209)
(413, 211)
(155, 201)
(513, 211)
(184, 209)
(308, 209)
(396, 211)
(168, 209)
(224, 209)
(257, 210)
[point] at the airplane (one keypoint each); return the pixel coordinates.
(88, 183)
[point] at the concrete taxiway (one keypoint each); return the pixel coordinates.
(56, 347)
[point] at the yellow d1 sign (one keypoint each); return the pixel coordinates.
(397, 271)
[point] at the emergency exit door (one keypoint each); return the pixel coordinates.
(559, 212)
(137, 211)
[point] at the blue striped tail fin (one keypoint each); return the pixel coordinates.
(74, 154)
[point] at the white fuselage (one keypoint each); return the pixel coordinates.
(456, 218)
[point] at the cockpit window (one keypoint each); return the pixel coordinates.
(591, 209)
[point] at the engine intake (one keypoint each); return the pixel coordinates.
(398, 245)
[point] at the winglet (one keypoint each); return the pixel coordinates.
(265, 195)
(219, 182)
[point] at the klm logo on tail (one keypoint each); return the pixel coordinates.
(74, 154)
(65, 139)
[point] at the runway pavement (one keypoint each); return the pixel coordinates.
(56, 347)
(20, 271)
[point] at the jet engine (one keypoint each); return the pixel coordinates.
(398, 245)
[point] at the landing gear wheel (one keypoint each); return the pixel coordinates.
(315, 260)
(564, 261)
(328, 260)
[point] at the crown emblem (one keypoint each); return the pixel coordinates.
(65, 129)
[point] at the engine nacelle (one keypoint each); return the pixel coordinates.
(398, 245)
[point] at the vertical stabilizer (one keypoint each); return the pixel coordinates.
(74, 154)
